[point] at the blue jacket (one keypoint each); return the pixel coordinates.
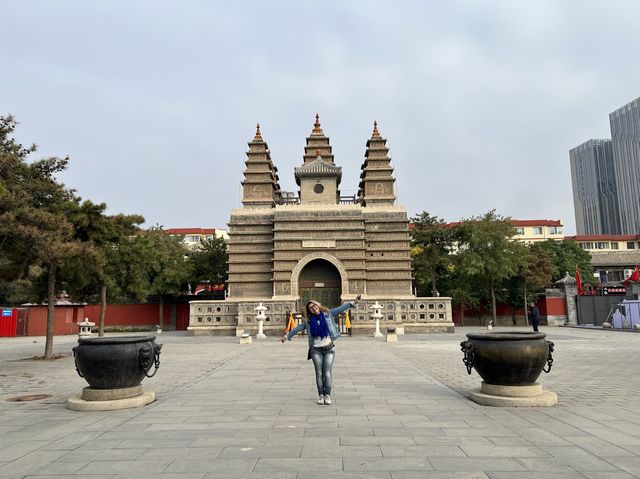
(331, 323)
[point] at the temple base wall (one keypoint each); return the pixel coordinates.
(230, 317)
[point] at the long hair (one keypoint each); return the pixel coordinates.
(322, 308)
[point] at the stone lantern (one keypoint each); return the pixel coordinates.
(261, 317)
(85, 328)
(377, 315)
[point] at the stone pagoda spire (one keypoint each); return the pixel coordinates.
(376, 179)
(260, 187)
(317, 141)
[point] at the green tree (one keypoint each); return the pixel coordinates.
(94, 275)
(464, 287)
(209, 263)
(487, 250)
(34, 224)
(533, 275)
(565, 256)
(166, 266)
(431, 244)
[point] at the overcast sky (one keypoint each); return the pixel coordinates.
(155, 101)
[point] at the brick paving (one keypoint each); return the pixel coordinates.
(230, 410)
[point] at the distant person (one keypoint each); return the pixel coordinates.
(534, 316)
(322, 331)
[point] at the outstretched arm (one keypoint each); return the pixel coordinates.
(343, 307)
(293, 332)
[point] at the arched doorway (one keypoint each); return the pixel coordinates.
(320, 280)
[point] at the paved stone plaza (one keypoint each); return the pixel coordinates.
(226, 410)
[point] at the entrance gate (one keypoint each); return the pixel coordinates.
(320, 281)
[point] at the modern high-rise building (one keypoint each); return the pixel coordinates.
(625, 139)
(605, 176)
(595, 196)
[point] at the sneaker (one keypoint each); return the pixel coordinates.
(321, 400)
(327, 400)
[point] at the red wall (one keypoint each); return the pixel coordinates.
(128, 314)
(66, 319)
(553, 307)
(547, 306)
(123, 315)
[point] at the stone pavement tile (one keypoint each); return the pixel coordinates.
(452, 440)
(624, 426)
(180, 453)
(510, 441)
(595, 414)
(545, 464)
(473, 431)
(58, 467)
(288, 424)
(155, 443)
(227, 417)
(175, 435)
(627, 464)
(386, 464)
(570, 474)
(414, 451)
(18, 449)
(503, 451)
(376, 440)
(250, 475)
(451, 424)
(283, 432)
(28, 463)
(344, 475)
(559, 428)
(255, 452)
(104, 454)
(365, 422)
(406, 431)
(280, 432)
(475, 464)
(50, 429)
(107, 423)
(338, 432)
(341, 451)
(608, 475)
(598, 447)
(285, 441)
(541, 437)
(438, 475)
(575, 420)
(215, 441)
(209, 426)
(211, 465)
(634, 449)
(187, 475)
(124, 467)
(72, 441)
(588, 463)
(614, 436)
(69, 476)
(329, 464)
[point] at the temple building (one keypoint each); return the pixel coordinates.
(286, 248)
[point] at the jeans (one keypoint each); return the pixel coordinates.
(323, 363)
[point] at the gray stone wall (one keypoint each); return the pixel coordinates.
(233, 317)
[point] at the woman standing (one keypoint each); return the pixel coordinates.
(322, 331)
